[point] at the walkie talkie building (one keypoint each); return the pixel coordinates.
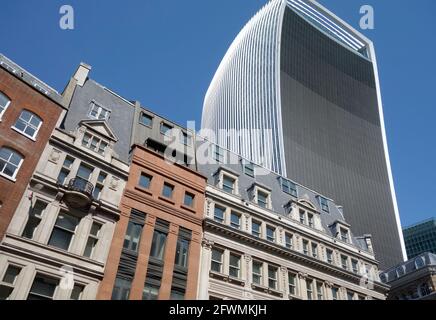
(311, 80)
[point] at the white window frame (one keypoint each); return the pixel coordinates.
(260, 274)
(219, 262)
(238, 267)
(6, 106)
(28, 124)
(14, 176)
(100, 108)
(88, 144)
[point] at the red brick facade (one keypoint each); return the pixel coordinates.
(22, 97)
(155, 206)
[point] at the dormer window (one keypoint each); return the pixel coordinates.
(228, 184)
(323, 202)
(94, 143)
(289, 187)
(218, 153)
(262, 199)
(310, 220)
(227, 180)
(344, 234)
(249, 169)
(98, 112)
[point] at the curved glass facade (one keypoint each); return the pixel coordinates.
(295, 72)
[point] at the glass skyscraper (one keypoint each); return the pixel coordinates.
(298, 93)
(420, 238)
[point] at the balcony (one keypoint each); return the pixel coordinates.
(78, 193)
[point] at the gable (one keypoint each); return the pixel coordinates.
(101, 127)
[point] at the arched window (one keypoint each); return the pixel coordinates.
(4, 104)
(28, 124)
(10, 162)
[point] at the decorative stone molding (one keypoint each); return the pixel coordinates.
(207, 244)
(54, 156)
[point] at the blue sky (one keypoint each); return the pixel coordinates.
(164, 54)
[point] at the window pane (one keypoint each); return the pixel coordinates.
(77, 292)
(84, 172)
(144, 181)
(182, 250)
(42, 288)
(11, 274)
(5, 292)
(158, 244)
(67, 221)
(60, 239)
(189, 199)
(63, 176)
(228, 184)
(219, 214)
(121, 289)
(146, 119)
(167, 190)
(235, 220)
(150, 292)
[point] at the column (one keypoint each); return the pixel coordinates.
(203, 282)
(302, 285)
(194, 267)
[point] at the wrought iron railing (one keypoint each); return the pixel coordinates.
(81, 185)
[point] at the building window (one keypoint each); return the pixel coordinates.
(63, 231)
(335, 293)
(145, 181)
(344, 234)
(255, 228)
(8, 282)
(158, 244)
(165, 128)
(288, 240)
(84, 173)
(132, 237)
(323, 202)
(34, 219)
(28, 124)
(235, 220)
(309, 289)
(310, 220)
(355, 266)
(229, 184)
(218, 154)
(189, 199)
(97, 112)
(262, 199)
(344, 262)
(217, 260)
(249, 169)
(302, 216)
(289, 187)
(43, 288)
(425, 290)
(121, 289)
(168, 190)
(150, 292)
(145, 119)
(234, 265)
(350, 295)
(292, 282)
(182, 251)
(306, 247)
(10, 163)
(65, 171)
(92, 239)
(257, 272)
(186, 139)
(99, 185)
(77, 292)
(177, 294)
(219, 214)
(314, 250)
(329, 255)
(94, 143)
(4, 104)
(319, 291)
(272, 277)
(270, 233)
